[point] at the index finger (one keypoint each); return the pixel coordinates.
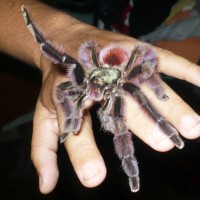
(44, 147)
(178, 67)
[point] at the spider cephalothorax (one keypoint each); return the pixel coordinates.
(106, 75)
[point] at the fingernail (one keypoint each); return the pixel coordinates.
(158, 135)
(89, 171)
(191, 125)
(161, 142)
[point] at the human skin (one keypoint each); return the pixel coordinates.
(65, 31)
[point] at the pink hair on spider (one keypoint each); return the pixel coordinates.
(114, 56)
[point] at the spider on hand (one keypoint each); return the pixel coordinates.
(106, 75)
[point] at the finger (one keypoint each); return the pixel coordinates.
(85, 156)
(175, 110)
(178, 113)
(178, 67)
(44, 148)
(144, 127)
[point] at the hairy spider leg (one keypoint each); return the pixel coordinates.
(88, 56)
(53, 53)
(70, 115)
(47, 48)
(162, 123)
(145, 70)
(69, 90)
(112, 119)
(72, 122)
(93, 53)
(71, 106)
(66, 114)
(141, 73)
(154, 83)
(65, 85)
(133, 57)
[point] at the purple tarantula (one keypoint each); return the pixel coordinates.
(106, 75)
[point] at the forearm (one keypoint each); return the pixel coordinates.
(16, 40)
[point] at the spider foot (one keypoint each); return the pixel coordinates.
(164, 97)
(134, 183)
(63, 137)
(70, 118)
(171, 132)
(177, 141)
(72, 126)
(159, 90)
(130, 166)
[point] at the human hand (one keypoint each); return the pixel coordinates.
(82, 150)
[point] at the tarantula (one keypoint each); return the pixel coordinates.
(106, 75)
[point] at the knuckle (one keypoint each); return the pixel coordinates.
(34, 154)
(164, 56)
(189, 70)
